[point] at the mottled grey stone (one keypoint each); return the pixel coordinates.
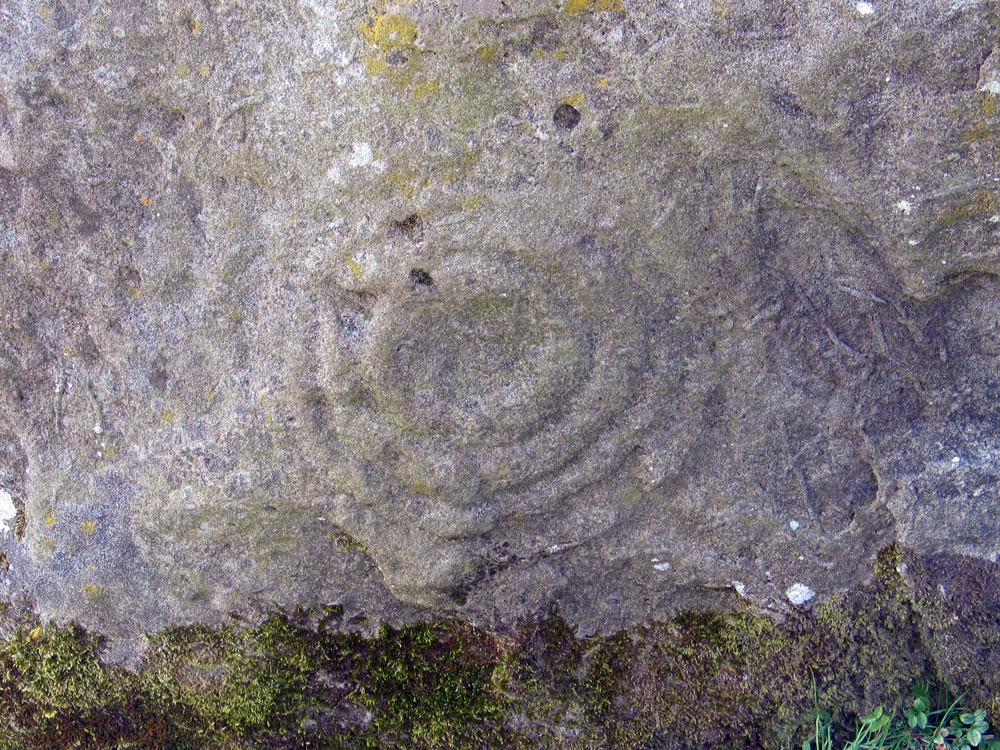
(303, 302)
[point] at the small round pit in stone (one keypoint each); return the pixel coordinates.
(566, 116)
(421, 277)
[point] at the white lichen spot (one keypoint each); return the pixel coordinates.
(799, 593)
(8, 511)
(333, 175)
(865, 9)
(741, 588)
(956, 460)
(995, 219)
(913, 242)
(361, 155)
(98, 429)
(793, 525)
(991, 87)
(905, 206)
(662, 566)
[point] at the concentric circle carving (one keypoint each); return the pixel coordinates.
(490, 386)
(497, 377)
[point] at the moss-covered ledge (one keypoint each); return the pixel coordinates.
(298, 680)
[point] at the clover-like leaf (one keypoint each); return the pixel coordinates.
(874, 716)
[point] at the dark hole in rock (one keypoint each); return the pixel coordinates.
(566, 116)
(412, 226)
(420, 276)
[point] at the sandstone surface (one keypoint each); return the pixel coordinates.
(473, 307)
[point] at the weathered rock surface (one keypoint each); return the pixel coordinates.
(479, 306)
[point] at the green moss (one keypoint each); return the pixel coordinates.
(239, 679)
(54, 691)
(700, 680)
(431, 686)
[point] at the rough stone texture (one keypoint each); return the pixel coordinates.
(307, 302)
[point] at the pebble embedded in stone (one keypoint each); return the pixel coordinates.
(799, 593)
(8, 511)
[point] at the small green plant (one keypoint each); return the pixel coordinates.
(917, 717)
(919, 728)
(967, 729)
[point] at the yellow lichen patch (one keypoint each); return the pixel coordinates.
(404, 181)
(194, 25)
(355, 267)
(600, 81)
(91, 589)
(144, 200)
(88, 527)
(579, 6)
(421, 487)
(472, 202)
(389, 31)
(109, 451)
(377, 66)
(183, 70)
(721, 9)
(560, 54)
(486, 54)
(984, 126)
(574, 100)
(168, 416)
(35, 633)
(49, 518)
(204, 71)
(990, 104)
(423, 89)
(137, 135)
(44, 11)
